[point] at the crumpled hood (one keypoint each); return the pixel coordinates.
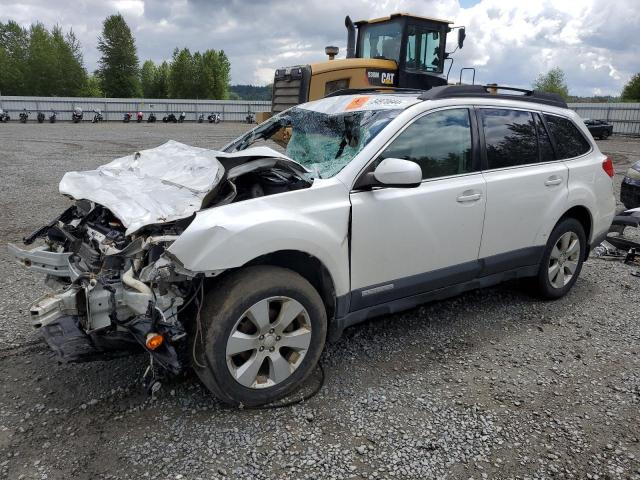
(158, 185)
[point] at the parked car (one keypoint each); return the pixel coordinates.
(599, 128)
(630, 187)
(240, 263)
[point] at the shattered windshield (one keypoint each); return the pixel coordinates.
(322, 142)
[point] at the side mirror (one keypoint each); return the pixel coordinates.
(392, 172)
(461, 36)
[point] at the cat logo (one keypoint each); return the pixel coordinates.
(387, 78)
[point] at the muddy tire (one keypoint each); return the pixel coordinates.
(263, 330)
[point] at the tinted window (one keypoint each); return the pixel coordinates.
(439, 142)
(544, 142)
(569, 141)
(510, 137)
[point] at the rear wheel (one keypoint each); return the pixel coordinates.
(562, 259)
(263, 329)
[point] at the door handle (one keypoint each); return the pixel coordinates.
(469, 196)
(554, 180)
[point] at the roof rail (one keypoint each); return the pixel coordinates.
(493, 91)
(354, 91)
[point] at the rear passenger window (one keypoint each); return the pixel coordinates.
(439, 142)
(569, 140)
(544, 142)
(510, 137)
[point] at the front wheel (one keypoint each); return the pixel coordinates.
(562, 259)
(262, 330)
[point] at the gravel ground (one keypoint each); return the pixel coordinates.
(491, 384)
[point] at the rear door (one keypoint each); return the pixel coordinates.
(526, 187)
(405, 241)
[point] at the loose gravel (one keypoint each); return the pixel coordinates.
(490, 384)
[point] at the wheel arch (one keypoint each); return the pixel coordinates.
(307, 266)
(582, 215)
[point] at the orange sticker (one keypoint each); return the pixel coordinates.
(357, 103)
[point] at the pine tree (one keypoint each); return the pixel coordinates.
(118, 67)
(148, 79)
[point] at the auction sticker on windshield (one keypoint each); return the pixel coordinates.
(346, 103)
(356, 103)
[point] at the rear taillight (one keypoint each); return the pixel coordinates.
(607, 166)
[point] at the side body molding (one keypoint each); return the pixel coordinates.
(314, 221)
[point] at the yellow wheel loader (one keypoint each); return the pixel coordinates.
(401, 51)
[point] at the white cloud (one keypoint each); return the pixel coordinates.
(593, 41)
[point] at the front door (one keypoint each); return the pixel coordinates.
(407, 241)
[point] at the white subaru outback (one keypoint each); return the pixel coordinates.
(240, 263)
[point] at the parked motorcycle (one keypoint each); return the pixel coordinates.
(151, 118)
(170, 118)
(215, 118)
(53, 117)
(139, 117)
(127, 117)
(250, 118)
(4, 116)
(97, 116)
(40, 117)
(77, 115)
(182, 117)
(24, 116)
(201, 118)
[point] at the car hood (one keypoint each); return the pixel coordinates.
(158, 185)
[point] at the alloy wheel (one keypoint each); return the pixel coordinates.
(564, 260)
(268, 342)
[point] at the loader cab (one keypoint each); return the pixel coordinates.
(416, 44)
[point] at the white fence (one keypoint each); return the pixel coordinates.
(115, 108)
(625, 117)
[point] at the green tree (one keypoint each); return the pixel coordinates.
(161, 84)
(71, 75)
(223, 75)
(41, 69)
(553, 81)
(182, 75)
(207, 74)
(148, 79)
(118, 66)
(14, 46)
(631, 91)
(91, 87)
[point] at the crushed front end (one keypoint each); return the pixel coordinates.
(112, 293)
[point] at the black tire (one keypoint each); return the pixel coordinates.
(225, 304)
(543, 284)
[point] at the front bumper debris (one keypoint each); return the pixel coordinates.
(41, 260)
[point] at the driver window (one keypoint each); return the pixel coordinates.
(439, 142)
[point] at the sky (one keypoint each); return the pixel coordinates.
(509, 42)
